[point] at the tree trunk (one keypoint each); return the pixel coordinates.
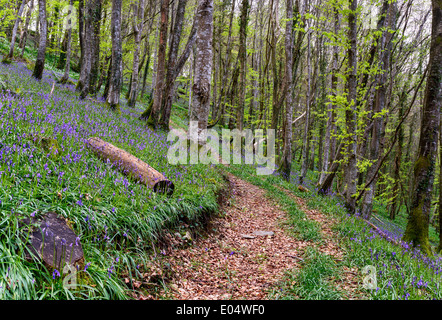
(276, 106)
(350, 113)
(242, 56)
(424, 167)
(287, 151)
(138, 30)
(380, 104)
(330, 139)
(86, 53)
(24, 34)
(68, 26)
(95, 55)
(169, 88)
(306, 140)
(113, 96)
(14, 30)
(203, 66)
(395, 206)
(146, 71)
(40, 62)
(226, 64)
(81, 30)
(161, 64)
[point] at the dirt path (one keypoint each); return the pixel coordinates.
(350, 282)
(234, 262)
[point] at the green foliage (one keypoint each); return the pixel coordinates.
(118, 220)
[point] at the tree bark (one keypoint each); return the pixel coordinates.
(350, 112)
(130, 165)
(161, 64)
(424, 167)
(95, 39)
(40, 62)
(330, 139)
(113, 96)
(242, 56)
(226, 64)
(287, 151)
(24, 34)
(172, 74)
(380, 104)
(138, 29)
(14, 30)
(203, 66)
(67, 66)
(86, 48)
(306, 140)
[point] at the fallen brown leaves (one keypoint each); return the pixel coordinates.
(229, 265)
(249, 252)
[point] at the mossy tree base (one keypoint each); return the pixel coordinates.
(145, 115)
(114, 107)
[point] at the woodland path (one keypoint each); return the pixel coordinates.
(234, 263)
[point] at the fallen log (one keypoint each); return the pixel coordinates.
(303, 189)
(131, 165)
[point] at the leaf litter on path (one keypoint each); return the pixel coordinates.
(249, 253)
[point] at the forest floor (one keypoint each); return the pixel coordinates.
(249, 250)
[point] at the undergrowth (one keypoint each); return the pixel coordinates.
(402, 272)
(117, 220)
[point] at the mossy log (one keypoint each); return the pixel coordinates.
(131, 165)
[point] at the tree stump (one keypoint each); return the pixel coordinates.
(54, 242)
(131, 165)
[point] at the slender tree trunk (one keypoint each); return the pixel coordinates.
(424, 167)
(14, 30)
(108, 77)
(287, 151)
(395, 206)
(226, 64)
(350, 113)
(146, 71)
(68, 27)
(138, 30)
(62, 57)
(276, 106)
(169, 88)
(242, 56)
(330, 139)
(113, 96)
(81, 30)
(24, 34)
(380, 105)
(85, 46)
(95, 38)
(40, 62)
(306, 140)
(88, 46)
(161, 64)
